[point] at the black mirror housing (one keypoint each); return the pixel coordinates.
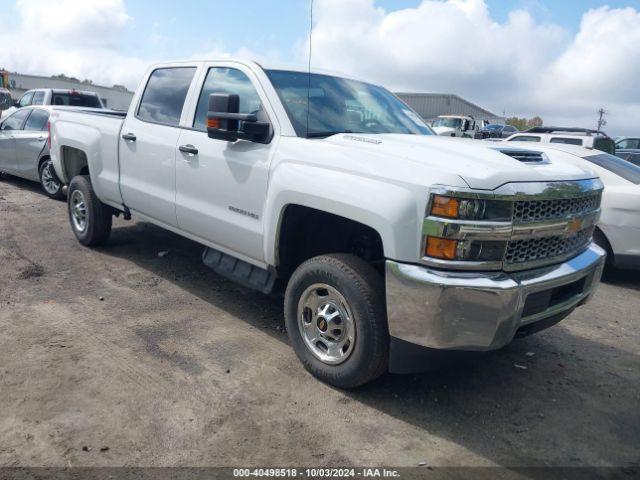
(224, 122)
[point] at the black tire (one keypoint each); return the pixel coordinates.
(363, 289)
(49, 181)
(98, 216)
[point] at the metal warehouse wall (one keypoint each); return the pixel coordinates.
(431, 105)
(116, 99)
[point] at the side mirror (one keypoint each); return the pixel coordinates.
(225, 123)
(16, 104)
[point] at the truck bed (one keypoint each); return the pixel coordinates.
(99, 132)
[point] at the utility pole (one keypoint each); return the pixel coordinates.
(601, 121)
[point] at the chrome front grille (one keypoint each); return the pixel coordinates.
(521, 225)
(526, 211)
(536, 249)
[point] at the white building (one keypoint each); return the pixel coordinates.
(430, 105)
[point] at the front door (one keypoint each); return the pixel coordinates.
(148, 145)
(221, 189)
(30, 141)
(8, 129)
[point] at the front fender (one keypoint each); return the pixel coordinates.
(390, 209)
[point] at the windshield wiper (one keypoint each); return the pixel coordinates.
(326, 134)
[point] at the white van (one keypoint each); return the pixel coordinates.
(571, 136)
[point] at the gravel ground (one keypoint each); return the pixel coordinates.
(119, 356)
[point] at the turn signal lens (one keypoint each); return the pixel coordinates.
(441, 248)
(445, 206)
(213, 123)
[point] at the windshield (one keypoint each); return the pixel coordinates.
(339, 105)
(447, 122)
(76, 99)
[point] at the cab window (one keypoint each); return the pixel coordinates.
(38, 98)
(227, 80)
(26, 99)
(164, 95)
(629, 143)
(568, 141)
(15, 121)
(37, 120)
(525, 138)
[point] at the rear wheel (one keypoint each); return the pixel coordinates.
(49, 181)
(90, 218)
(336, 319)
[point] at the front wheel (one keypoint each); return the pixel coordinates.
(90, 218)
(49, 181)
(336, 319)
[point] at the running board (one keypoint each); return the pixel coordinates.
(238, 270)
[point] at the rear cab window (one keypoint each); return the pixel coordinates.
(164, 95)
(568, 141)
(75, 99)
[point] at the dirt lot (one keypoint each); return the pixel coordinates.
(119, 356)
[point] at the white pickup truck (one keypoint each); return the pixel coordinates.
(393, 243)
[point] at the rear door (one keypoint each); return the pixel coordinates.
(30, 141)
(221, 189)
(148, 144)
(8, 129)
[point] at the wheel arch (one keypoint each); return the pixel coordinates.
(600, 237)
(304, 232)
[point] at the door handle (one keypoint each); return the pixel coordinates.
(40, 138)
(129, 137)
(190, 149)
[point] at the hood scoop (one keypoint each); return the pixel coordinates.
(527, 156)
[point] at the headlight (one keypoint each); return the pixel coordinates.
(464, 250)
(464, 228)
(470, 208)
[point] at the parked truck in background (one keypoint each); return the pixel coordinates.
(392, 243)
(455, 126)
(58, 97)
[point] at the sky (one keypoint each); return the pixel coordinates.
(559, 59)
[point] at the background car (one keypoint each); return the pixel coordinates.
(495, 130)
(628, 148)
(57, 97)
(24, 148)
(583, 137)
(630, 156)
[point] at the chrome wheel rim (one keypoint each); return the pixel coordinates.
(326, 324)
(78, 209)
(49, 183)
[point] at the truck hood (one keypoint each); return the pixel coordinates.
(482, 165)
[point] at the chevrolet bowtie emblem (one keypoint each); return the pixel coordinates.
(575, 225)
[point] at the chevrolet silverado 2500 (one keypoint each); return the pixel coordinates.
(392, 243)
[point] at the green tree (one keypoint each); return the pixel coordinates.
(519, 123)
(523, 123)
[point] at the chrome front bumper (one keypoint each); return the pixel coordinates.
(483, 310)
